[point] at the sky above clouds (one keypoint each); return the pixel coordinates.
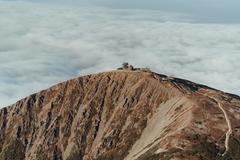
(45, 43)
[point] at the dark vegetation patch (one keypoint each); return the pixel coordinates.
(194, 86)
(202, 149)
(14, 151)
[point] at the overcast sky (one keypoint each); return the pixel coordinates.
(43, 43)
(211, 11)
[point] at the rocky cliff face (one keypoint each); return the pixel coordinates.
(122, 115)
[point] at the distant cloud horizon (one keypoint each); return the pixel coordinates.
(204, 11)
(42, 45)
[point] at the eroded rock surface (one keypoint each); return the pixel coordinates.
(122, 115)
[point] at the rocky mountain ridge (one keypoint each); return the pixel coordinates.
(123, 115)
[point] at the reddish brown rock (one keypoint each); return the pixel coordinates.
(123, 115)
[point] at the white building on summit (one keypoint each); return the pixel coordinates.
(126, 66)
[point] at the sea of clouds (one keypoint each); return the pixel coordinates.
(41, 45)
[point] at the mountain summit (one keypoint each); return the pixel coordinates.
(125, 114)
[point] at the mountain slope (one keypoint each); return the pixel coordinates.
(123, 115)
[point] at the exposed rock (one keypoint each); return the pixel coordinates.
(123, 115)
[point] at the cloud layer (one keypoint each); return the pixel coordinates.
(41, 45)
